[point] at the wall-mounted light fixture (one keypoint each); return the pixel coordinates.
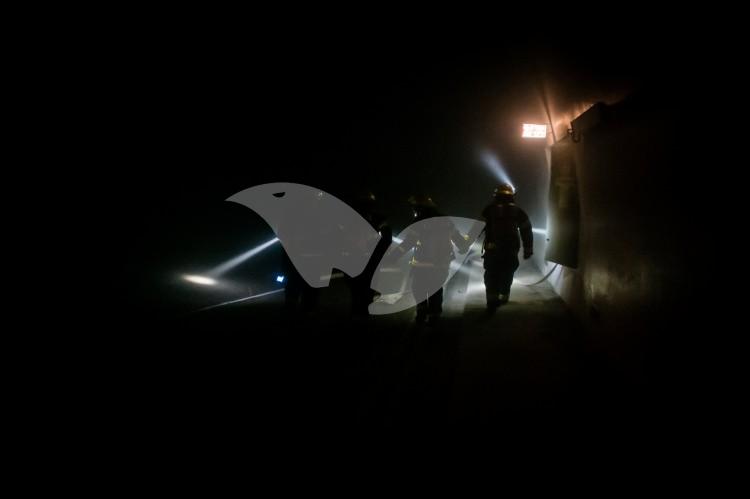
(531, 131)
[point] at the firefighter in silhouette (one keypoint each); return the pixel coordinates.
(504, 221)
(433, 254)
(365, 203)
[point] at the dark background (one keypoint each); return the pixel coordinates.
(190, 122)
(183, 118)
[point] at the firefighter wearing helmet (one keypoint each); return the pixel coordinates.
(504, 223)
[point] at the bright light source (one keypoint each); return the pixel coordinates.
(198, 279)
(279, 278)
(540, 231)
(534, 131)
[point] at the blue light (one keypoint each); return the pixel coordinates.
(279, 278)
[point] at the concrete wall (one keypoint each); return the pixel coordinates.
(634, 270)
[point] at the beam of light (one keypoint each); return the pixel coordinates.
(230, 264)
(534, 131)
(240, 300)
(539, 231)
(493, 164)
(199, 279)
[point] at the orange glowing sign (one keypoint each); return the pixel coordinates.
(534, 131)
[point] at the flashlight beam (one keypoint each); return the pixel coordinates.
(230, 264)
(492, 163)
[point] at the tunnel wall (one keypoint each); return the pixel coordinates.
(634, 271)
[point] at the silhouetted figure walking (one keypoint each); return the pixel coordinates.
(504, 220)
(433, 254)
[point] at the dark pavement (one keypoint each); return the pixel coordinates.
(252, 366)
